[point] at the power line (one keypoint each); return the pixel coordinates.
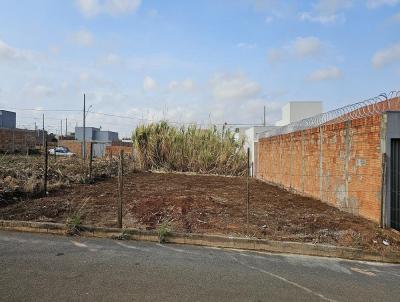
(43, 110)
(134, 117)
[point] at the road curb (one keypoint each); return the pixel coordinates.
(206, 240)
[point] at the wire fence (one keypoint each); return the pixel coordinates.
(370, 107)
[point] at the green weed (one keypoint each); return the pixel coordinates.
(163, 231)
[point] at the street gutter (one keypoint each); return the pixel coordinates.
(219, 241)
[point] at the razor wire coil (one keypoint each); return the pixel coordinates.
(373, 106)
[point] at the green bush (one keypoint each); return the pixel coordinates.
(160, 146)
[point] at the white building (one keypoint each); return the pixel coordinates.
(251, 140)
(296, 111)
(291, 112)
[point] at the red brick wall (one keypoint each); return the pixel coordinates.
(17, 140)
(75, 147)
(339, 164)
(114, 150)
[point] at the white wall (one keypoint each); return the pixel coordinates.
(252, 137)
(296, 111)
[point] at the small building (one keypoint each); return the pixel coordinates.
(296, 111)
(8, 119)
(98, 138)
(95, 134)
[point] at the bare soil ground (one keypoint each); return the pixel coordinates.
(206, 204)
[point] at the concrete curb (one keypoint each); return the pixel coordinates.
(206, 240)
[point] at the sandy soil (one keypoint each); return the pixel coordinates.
(205, 204)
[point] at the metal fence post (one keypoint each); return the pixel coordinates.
(90, 161)
(248, 192)
(120, 186)
(110, 163)
(46, 161)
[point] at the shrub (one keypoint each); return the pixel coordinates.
(160, 146)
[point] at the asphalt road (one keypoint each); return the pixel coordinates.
(52, 268)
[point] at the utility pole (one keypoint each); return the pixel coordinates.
(66, 126)
(84, 128)
(264, 117)
(61, 129)
(43, 135)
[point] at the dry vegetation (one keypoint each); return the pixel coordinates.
(204, 204)
(160, 146)
(23, 175)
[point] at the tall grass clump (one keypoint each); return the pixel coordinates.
(160, 146)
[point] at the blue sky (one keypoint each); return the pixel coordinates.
(192, 61)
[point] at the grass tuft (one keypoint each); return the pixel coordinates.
(75, 220)
(163, 231)
(74, 225)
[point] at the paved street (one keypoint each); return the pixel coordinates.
(53, 268)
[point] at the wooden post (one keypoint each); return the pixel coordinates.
(46, 161)
(90, 161)
(248, 192)
(120, 186)
(110, 163)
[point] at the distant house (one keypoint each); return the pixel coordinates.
(13, 139)
(296, 111)
(291, 112)
(8, 119)
(100, 139)
(93, 134)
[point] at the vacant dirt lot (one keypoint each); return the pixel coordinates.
(205, 204)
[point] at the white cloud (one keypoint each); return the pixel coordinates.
(149, 83)
(83, 76)
(330, 73)
(112, 59)
(10, 53)
(396, 17)
(323, 19)
(269, 19)
(246, 45)
(307, 46)
(176, 114)
(83, 38)
(386, 56)
(371, 4)
(34, 90)
(92, 8)
(329, 7)
(153, 13)
(185, 85)
(301, 47)
(234, 87)
(327, 11)
(275, 55)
